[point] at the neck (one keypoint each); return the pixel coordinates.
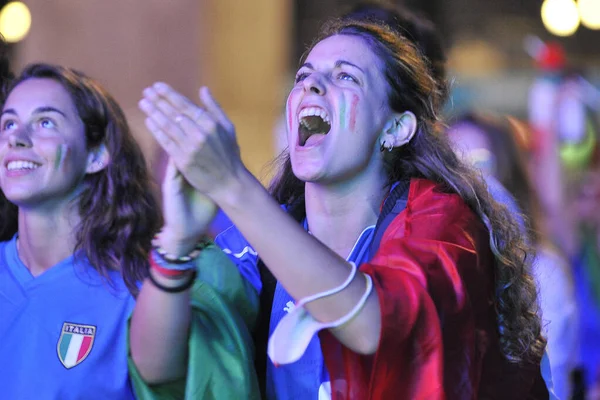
(46, 238)
(337, 215)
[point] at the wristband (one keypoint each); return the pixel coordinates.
(174, 289)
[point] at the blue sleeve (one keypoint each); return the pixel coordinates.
(241, 253)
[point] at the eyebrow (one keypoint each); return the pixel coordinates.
(338, 64)
(38, 110)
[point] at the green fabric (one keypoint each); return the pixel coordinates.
(224, 310)
(591, 262)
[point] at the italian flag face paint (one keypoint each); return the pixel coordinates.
(75, 343)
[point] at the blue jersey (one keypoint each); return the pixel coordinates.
(307, 378)
(63, 334)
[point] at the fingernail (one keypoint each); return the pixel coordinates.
(160, 86)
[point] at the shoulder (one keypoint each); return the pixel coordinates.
(434, 213)
(427, 195)
(3, 246)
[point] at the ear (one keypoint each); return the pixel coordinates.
(400, 129)
(98, 159)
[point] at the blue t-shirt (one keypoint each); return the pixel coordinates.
(63, 334)
(307, 378)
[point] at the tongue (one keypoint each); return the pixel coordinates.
(314, 139)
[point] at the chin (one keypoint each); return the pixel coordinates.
(306, 174)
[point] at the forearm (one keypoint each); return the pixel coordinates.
(302, 264)
(159, 331)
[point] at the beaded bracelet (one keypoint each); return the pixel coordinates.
(172, 259)
(157, 260)
(174, 289)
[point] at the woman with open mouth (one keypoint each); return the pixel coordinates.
(384, 268)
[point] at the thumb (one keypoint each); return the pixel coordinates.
(171, 171)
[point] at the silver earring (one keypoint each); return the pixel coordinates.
(385, 145)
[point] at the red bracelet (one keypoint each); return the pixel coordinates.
(168, 273)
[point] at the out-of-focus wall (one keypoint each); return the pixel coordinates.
(247, 67)
(237, 48)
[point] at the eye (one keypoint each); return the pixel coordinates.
(47, 123)
(300, 76)
(344, 76)
(8, 125)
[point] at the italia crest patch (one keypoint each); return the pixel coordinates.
(75, 343)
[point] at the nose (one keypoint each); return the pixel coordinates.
(314, 83)
(19, 137)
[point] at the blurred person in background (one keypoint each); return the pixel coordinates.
(563, 114)
(490, 143)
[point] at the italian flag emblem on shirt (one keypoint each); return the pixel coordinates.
(75, 343)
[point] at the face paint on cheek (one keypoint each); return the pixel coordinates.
(343, 113)
(353, 112)
(59, 157)
(288, 110)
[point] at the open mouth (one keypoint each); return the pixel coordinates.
(313, 121)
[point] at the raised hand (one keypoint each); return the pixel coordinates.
(186, 211)
(200, 140)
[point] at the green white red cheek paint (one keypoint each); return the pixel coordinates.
(59, 156)
(288, 110)
(348, 117)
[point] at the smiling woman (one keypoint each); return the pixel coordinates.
(48, 175)
(70, 255)
(76, 224)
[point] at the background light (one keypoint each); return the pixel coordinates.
(560, 17)
(15, 21)
(589, 11)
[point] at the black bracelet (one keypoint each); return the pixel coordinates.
(176, 289)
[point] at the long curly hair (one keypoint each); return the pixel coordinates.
(119, 214)
(429, 155)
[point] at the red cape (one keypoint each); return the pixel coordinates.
(433, 274)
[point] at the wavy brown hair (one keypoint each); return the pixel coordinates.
(429, 155)
(119, 214)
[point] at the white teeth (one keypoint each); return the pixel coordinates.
(21, 165)
(314, 111)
